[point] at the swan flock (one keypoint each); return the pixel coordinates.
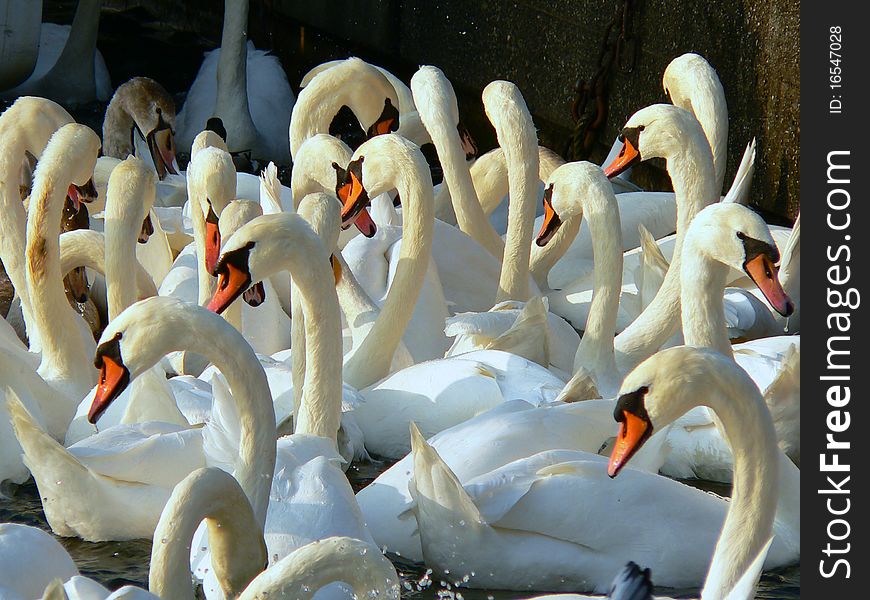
(539, 358)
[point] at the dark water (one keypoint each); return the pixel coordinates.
(119, 563)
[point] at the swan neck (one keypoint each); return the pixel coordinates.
(224, 346)
(206, 283)
(13, 219)
(238, 552)
(373, 359)
(121, 233)
(118, 130)
(76, 61)
(470, 217)
(65, 359)
(691, 172)
(595, 351)
(701, 305)
(748, 428)
(521, 152)
(231, 102)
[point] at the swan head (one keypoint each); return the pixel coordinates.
(72, 148)
(38, 118)
(127, 346)
(375, 168)
(260, 249)
(212, 180)
(736, 236)
(564, 192)
(207, 139)
(657, 131)
(682, 76)
(663, 388)
(133, 186)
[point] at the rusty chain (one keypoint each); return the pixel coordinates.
(590, 105)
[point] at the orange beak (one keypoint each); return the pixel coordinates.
(765, 274)
(212, 240)
(633, 432)
(626, 158)
(387, 122)
(354, 200)
(114, 378)
(551, 223)
(161, 143)
(232, 283)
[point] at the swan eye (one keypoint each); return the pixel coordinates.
(741, 235)
(250, 245)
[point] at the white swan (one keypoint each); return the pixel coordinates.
(726, 235)
(311, 497)
(107, 469)
(245, 87)
(510, 528)
(414, 308)
(69, 68)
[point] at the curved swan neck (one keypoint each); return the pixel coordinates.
(691, 172)
(65, 359)
(129, 198)
(513, 124)
(180, 326)
(302, 573)
(372, 361)
(595, 352)
(235, 538)
(352, 83)
(26, 126)
(231, 103)
(87, 248)
(703, 313)
(436, 105)
(748, 428)
(118, 130)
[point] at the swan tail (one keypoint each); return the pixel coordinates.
(653, 257)
(739, 190)
(632, 583)
(270, 190)
(529, 336)
(580, 387)
(40, 449)
(435, 488)
(55, 591)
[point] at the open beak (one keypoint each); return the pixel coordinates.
(212, 240)
(336, 268)
(551, 223)
(114, 378)
(255, 295)
(633, 432)
(628, 156)
(468, 144)
(161, 144)
(79, 194)
(764, 274)
(387, 122)
(76, 284)
(147, 230)
(354, 199)
(232, 283)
